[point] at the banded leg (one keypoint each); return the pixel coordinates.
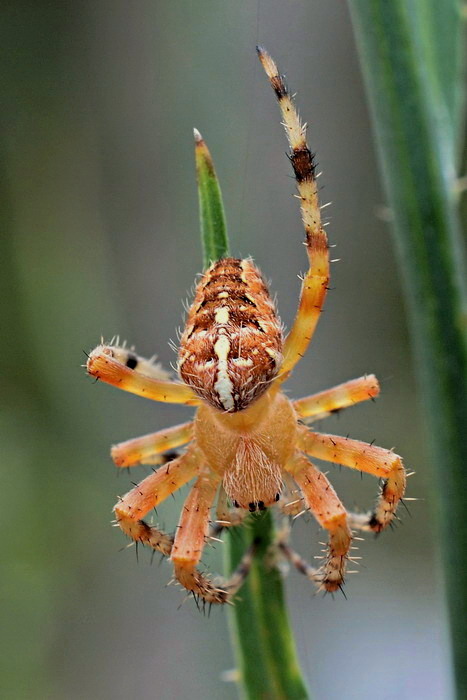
(189, 543)
(315, 282)
(321, 405)
(128, 357)
(104, 365)
(282, 542)
(366, 458)
(154, 489)
(143, 449)
(328, 510)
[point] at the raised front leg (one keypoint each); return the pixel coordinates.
(316, 280)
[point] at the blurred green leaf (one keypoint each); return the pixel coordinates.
(441, 32)
(265, 646)
(211, 208)
(263, 641)
(411, 59)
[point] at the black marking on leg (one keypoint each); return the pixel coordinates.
(132, 361)
(303, 164)
(277, 81)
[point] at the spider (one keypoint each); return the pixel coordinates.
(248, 445)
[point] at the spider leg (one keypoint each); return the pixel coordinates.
(103, 365)
(315, 282)
(154, 489)
(291, 501)
(366, 458)
(189, 543)
(129, 358)
(226, 515)
(328, 510)
(162, 458)
(142, 450)
(282, 543)
(321, 405)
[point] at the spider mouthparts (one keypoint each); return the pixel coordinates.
(256, 505)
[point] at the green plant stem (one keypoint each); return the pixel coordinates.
(261, 628)
(415, 124)
(441, 47)
(262, 636)
(211, 208)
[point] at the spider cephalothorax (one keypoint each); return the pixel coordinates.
(248, 446)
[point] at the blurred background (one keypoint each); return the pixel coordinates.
(99, 236)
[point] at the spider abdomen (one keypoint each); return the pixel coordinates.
(231, 347)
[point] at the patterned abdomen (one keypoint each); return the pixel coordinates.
(232, 343)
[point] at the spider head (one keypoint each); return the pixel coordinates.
(231, 348)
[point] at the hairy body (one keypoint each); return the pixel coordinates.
(248, 446)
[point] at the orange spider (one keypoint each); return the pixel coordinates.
(247, 445)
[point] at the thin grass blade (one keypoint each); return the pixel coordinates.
(261, 632)
(413, 83)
